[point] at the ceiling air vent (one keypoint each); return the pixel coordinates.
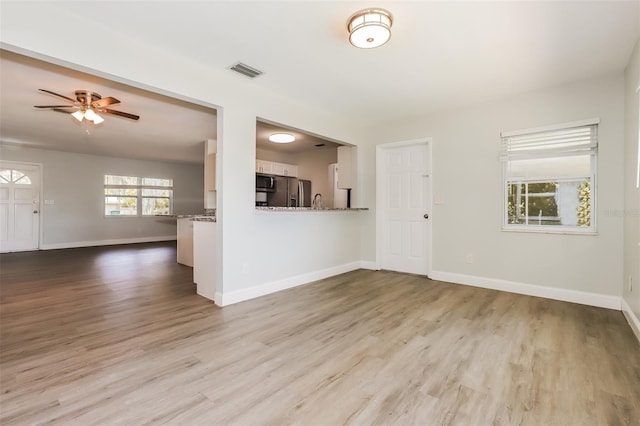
(245, 70)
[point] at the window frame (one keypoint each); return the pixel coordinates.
(139, 187)
(592, 177)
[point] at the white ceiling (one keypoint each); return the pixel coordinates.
(441, 55)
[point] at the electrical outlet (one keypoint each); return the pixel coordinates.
(245, 268)
(469, 258)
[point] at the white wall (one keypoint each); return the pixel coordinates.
(632, 194)
(467, 178)
(75, 182)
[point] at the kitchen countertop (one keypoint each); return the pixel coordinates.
(203, 219)
(307, 209)
(194, 217)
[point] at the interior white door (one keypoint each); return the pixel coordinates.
(406, 203)
(19, 206)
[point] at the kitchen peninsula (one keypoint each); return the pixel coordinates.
(205, 254)
(196, 247)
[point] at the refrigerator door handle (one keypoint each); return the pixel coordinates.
(301, 199)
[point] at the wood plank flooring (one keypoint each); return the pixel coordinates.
(117, 335)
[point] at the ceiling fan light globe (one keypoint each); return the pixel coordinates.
(78, 115)
(97, 119)
(90, 115)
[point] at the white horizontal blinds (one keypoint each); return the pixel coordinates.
(551, 143)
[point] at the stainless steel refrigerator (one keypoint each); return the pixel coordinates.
(303, 192)
(290, 192)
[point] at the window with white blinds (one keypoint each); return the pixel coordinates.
(549, 178)
(127, 196)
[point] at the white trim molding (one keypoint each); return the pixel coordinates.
(632, 319)
(366, 264)
(565, 295)
(229, 298)
(77, 244)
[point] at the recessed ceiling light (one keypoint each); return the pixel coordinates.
(282, 138)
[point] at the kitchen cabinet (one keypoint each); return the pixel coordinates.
(210, 150)
(264, 167)
(185, 242)
(210, 172)
(278, 169)
(346, 167)
(205, 258)
(282, 169)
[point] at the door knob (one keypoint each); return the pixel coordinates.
(35, 212)
(426, 215)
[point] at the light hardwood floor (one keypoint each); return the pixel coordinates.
(117, 335)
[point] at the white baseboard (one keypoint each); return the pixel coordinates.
(365, 264)
(566, 295)
(77, 244)
(631, 317)
(225, 299)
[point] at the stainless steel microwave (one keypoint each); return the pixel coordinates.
(265, 183)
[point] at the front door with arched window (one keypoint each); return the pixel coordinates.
(19, 206)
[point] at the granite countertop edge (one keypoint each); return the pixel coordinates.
(203, 219)
(307, 209)
(193, 217)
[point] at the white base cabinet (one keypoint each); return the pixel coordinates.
(205, 258)
(185, 242)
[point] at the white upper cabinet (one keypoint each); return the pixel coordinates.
(264, 166)
(346, 167)
(210, 174)
(279, 169)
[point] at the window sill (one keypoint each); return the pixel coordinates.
(563, 231)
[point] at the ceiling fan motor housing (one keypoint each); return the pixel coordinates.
(86, 98)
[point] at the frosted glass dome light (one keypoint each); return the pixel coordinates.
(282, 138)
(369, 28)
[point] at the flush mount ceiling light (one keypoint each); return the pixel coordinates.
(369, 28)
(282, 138)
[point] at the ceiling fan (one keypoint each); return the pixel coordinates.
(86, 106)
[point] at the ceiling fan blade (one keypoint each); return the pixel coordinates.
(104, 102)
(58, 95)
(62, 110)
(120, 113)
(55, 106)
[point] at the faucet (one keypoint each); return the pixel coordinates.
(317, 202)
